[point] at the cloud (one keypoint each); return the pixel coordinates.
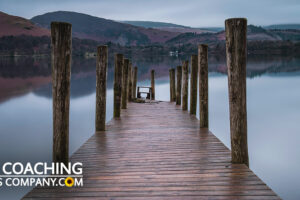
(197, 13)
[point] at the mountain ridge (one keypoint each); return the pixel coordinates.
(14, 25)
(104, 30)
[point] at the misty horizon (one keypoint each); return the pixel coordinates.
(193, 13)
(124, 21)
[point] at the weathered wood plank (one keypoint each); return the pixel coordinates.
(101, 77)
(194, 82)
(185, 84)
(156, 151)
(61, 53)
(236, 54)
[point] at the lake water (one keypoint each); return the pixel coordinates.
(273, 102)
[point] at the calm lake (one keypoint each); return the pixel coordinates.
(273, 94)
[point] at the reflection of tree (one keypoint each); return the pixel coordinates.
(258, 64)
(24, 67)
(83, 70)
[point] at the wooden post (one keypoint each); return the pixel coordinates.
(194, 82)
(125, 84)
(118, 84)
(134, 83)
(236, 52)
(138, 93)
(61, 53)
(152, 84)
(185, 84)
(101, 76)
(172, 85)
(178, 85)
(203, 85)
(130, 82)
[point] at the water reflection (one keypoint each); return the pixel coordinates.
(273, 111)
(22, 75)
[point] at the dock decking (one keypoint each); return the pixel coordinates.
(157, 151)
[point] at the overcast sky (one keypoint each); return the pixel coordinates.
(197, 13)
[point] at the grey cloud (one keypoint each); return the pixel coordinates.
(186, 12)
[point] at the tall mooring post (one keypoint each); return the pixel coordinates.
(118, 84)
(172, 85)
(130, 82)
(203, 85)
(178, 85)
(61, 53)
(134, 83)
(153, 84)
(101, 76)
(236, 52)
(194, 82)
(125, 83)
(185, 84)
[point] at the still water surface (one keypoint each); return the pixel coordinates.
(273, 94)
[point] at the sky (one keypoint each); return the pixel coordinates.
(195, 13)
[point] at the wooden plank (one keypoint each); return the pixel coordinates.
(157, 151)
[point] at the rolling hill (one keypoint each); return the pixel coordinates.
(283, 26)
(14, 26)
(150, 24)
(104, 30)
(254, 33)
(168, 27)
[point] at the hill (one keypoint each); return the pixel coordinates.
(255, 33)
(170, 27)
(104, 30)
(150, 24)
(283, 26)
(14, 26)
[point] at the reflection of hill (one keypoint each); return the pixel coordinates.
(259, 64)
(21, 75)
(82, 84)
(24, 67)
(10, 87)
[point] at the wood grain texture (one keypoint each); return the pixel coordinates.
(125, 83)
(194, 82)
(157, 151)
(118, 84)
(101, 77)
(61, 53)
(236, 54)
(134, 83)
(130, 82)
(152, 84)
(185, 84)
(172, 85)
(203, 84)
(178, 84)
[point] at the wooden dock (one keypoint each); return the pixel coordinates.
(157, 151)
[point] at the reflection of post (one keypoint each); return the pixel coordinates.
(61, 53)
(172, 85)
(185, 84)
(101, 76)
(152, 85)
(178, 85)
(130, 82)
(194, 82)
(236, 52)
(125, 83)
(203, 85)
(134, 83)
(118, 84)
